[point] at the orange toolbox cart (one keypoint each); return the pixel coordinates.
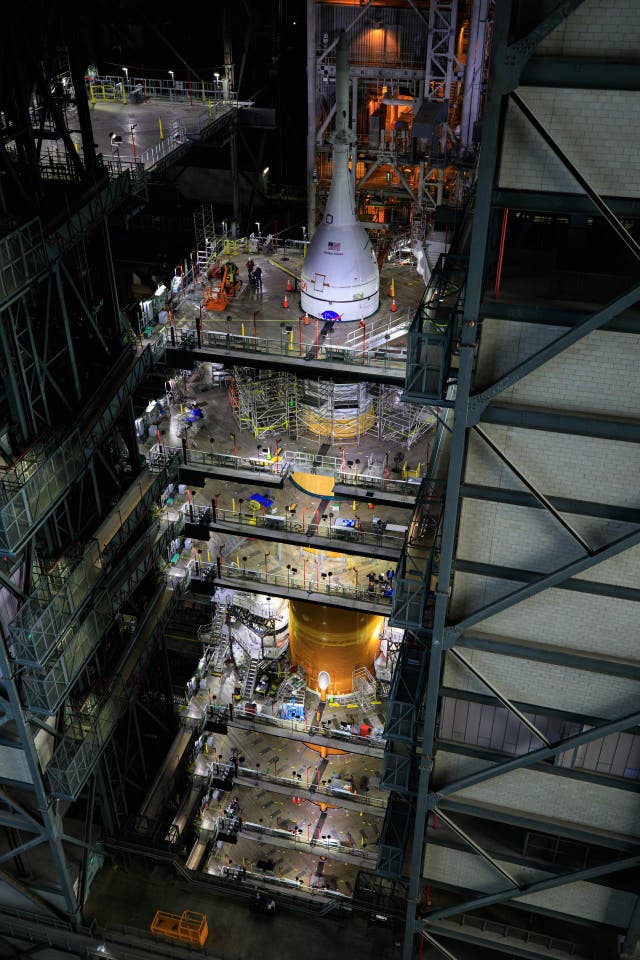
(187, 927)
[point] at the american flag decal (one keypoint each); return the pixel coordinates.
(333, 246)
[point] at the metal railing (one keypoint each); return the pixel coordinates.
(325, 790)
(321, 583)
(506, 930)
(387, 484)
(161, 453)
(31, 489)
(311, 845)
(136, 89)
(390, 359)
(327, 530)
(301, 726)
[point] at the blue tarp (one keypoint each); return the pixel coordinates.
(263, 501)
(292, 711)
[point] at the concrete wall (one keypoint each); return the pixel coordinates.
(585, 378)
(585, 124)
(605, 28)
(531, 792)
(588, 901)
(554, 687)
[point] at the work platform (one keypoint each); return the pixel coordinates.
(242, 352)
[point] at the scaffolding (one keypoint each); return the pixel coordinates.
(262, 400)
(207, 243)
(364, 688)
(399, 422)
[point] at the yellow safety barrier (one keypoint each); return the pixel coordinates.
(406, 472)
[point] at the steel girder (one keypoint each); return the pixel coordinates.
(545, 582)
(547, 825)
(595, 74)
(520, 498)
(577, 585)
(534, 756)
(590, 873)
(603, 428)
(474, 288)
(592, 322)
(564, 203)
(522, 649)
(508, 63)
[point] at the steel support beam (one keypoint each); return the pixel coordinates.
(439, 946)
(539, 201)
(546, 581)
(502, 896)
(556, 656)
(495, 940)
(12, 587)
(22, 848)
(540, 497)
(503, 700)
(475, 846)
(488, 161)
(535, 756)
(587, 74)
(578, 585)
(582, 425)
(538, 824)
(582, 508)
(592, 322)
(544, 768)
(519, 52)
(618, 228)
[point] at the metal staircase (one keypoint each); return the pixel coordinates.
(250, 679)
(364, 688)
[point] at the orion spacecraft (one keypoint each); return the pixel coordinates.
(340, 271)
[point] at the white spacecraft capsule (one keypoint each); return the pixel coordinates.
(340, 271)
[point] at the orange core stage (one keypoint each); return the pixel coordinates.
(333, 640)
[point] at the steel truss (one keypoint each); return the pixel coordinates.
(438, 332)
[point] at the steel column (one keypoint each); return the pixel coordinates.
(479, 240)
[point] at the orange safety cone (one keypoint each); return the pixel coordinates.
(288, 285)
(306, 319)
(393, 305)
(285, 302)
(392, 289)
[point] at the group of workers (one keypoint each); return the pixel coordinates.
(255, 275)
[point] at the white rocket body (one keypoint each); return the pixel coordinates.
(340, 271)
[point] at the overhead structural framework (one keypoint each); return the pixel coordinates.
(521, 534)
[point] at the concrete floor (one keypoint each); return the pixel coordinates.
(129, 896)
